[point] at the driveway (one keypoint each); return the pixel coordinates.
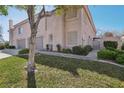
(4, 55)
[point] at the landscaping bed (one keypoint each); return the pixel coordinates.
(111, 52)
(61, 72)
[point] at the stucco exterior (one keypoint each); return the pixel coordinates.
(55, 30)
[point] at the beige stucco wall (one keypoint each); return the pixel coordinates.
(86, 30)
(71, 25)
(25, 35)
(59, 28)
(54, 27)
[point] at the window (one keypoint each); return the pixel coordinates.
(72, 38)
(20, 30)
(71, 13)
(50, 38)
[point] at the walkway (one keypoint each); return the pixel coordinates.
(4, 55)
(92, 56)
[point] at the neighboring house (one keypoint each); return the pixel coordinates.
(109, 36)
(122, 38)
(76, 28)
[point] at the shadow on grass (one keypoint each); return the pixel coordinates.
(71, 65)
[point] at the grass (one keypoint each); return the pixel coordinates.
(12, 72)
(61, 72)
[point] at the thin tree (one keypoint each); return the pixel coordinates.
(34, 21)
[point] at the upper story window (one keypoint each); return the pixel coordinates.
(71, 13)
(20, 30)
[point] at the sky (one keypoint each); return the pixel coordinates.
(106, 18)
(15, 15)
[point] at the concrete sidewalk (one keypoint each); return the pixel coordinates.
(4, 55)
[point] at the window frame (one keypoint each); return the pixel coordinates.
(20, 30)
(70, 36)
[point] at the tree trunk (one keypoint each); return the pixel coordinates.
(31, 62)
(31, 82)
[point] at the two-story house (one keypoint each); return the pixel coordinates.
(76, 28)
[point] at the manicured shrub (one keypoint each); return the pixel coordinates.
(122, 47)
(110, 44)
(107, 54)
(119, 51)
(88, 48)
(58, 47)
(79, 50)
(2, 47)
(24, 51)
(84, 52)
(67, 50)
(120, 59)
(6, 44)
(11, 47)
(116, 50)
(112, 49)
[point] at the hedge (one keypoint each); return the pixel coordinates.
(122, 47)
(58, 47)
(120, 59)
(88, 48)
(79, 50)
(107, 54)
(110, 44)
(2, 47)
(66, 50)
(24, 51)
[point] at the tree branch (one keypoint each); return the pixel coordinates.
(40, 15)
(30, 12)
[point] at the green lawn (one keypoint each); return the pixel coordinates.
(12, 72)
(61, 72)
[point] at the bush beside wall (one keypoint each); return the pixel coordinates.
(2, 47)
(122, 47)
(106, 54)
(81, 50)
(10, 47)
(24, 51)
(67, 50)
(120, 59)
(111, 54)
(77, 50)
(110, 44)
(88, 48)
(58, 46)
